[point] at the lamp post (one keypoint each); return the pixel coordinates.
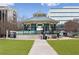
(23, 28)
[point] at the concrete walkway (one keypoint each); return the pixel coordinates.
(41, 47)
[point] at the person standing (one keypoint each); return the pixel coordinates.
(58, 35)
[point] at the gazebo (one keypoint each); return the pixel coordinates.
(39, 23)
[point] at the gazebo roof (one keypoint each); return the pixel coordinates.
(39, 17)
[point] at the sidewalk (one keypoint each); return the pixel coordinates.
(41, 47)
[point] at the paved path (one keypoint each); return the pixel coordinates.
(41, 47)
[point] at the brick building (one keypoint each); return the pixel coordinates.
(71, 26)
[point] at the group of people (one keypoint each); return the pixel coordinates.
(45, 36)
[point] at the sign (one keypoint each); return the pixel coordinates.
(39, 28)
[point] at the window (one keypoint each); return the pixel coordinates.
(33, 27)
(39, 24)
(6, 14)
(0, 14)
(53, 27)
(26, 27)
(46, 27)
(3, 15)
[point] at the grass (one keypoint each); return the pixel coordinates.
(15, 47)
(65, 47)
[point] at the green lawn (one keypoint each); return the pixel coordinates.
(65, 47)
(15, 47)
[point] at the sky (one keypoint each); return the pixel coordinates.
(26, 10)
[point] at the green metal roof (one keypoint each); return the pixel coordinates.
(39, 19)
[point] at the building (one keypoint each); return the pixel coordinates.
(8, 20)
(39, 23)
(71, 26)
(64, 14)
